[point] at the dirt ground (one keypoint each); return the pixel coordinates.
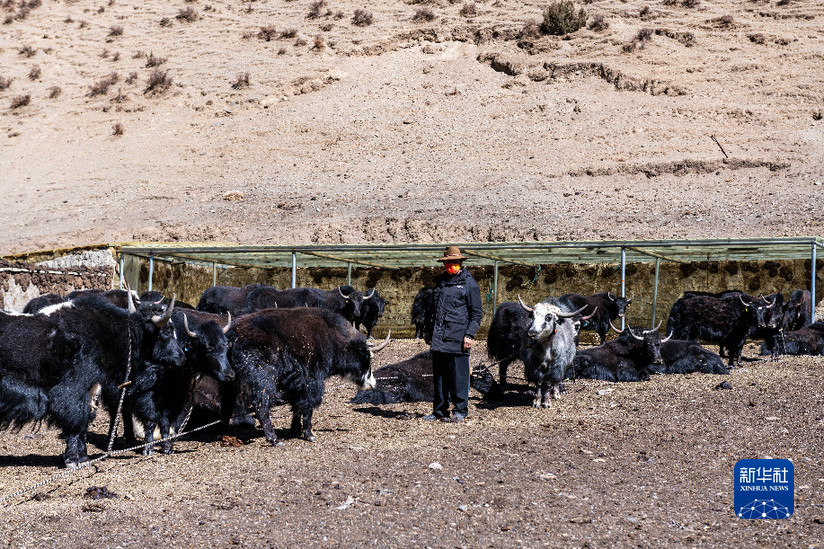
(466, 126)
(645, 465)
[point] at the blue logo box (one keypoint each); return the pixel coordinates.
(764, 489)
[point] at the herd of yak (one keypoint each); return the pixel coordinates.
(545, 337)
(242, 351)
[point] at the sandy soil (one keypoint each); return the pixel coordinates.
(458, 128)
(646, 465)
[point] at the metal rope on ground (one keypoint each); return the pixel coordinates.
(107, 455)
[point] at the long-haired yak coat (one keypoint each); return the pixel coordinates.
(287, 354)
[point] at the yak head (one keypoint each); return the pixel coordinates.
(364, 378)
(352, 302)
(648, 342)
(618, 305)
(547, 317)
(158, 332)
(208, 348)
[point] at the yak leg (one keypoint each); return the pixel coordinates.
(502, 370)
(165, 432)
(265, 416)
(307, 427)
(545, 399)
(536, 402)
(556, 391)
(148, 437)
(75, 453)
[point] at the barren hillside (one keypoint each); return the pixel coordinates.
(298, 121)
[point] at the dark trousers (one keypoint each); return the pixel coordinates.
(451, 377)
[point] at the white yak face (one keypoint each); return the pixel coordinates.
(545, 321)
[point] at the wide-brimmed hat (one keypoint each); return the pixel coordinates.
(452, 253)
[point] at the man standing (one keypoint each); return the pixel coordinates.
(450, 330)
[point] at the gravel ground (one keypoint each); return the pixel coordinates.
(645, 465)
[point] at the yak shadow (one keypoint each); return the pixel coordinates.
(516, 396)
(31, 460)
(380, 412)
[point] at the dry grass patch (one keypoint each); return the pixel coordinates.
(5, 83)
(101, 87)
(423, 15)
(54, 92)
(117, 129)
(598, 23)
(241, 82)
(27, 51)
(115, 30)
(562, 18)
(34, 73)
(187, 14)
(158, 82)
(362, 18)
(152, 61)
(20, 101)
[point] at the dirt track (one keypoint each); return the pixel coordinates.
(646, 465)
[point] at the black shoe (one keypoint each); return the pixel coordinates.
(431, 417)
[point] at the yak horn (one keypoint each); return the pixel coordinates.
(343, 295)
(524, 305)
(369, 294)
(744, 302)
(590, 315)
(654, 329)
(228, 323)
(667, 338)
(617, 331)
(570, 315)
(609, 295)
(381, 345)
(132, 308)
(629, 330)
(189, 332)
(161, 321)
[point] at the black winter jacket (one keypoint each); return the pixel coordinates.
(456, 312)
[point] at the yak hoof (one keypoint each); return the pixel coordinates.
(536, 404)
(309, 437)
(148, 450)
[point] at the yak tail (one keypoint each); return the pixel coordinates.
(20, 404)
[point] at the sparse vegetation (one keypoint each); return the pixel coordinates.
(20, 101)
(27, 51)
(644, 13)
(152, 61)
(34, 73)
(187, 14)
(267, 33)
(318, 43)
(132, 78)
(691, 3)
(288, 34)
(117, 129)
(598, 23)
(158, 82)
(562, 18)
(726, 21)
(531, 29)
(300, 42)
(818, 115)
(54, 92)
(165, 22)
(116, 57)
(101, 87)
(362, 18)
(423, 14)
(115, 30)
(5, 83)
(120, 97)
(318, 8)
(469, 10)
(643, 36)
(242, 81)
(757, 38)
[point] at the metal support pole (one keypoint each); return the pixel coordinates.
(655, 291)
(294, 269)
(623, 280)
(214, 274)
(151, 270)
(812, 285)
(349, 273)
(495, 289)
(122, 268)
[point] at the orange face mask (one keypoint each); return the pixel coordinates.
(452, 268)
